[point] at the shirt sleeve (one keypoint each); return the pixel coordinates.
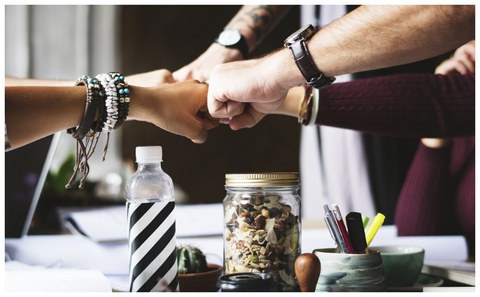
(404, 105)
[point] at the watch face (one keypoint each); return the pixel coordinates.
(229, 37)
(302, 33)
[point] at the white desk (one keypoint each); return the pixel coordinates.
(75, 251)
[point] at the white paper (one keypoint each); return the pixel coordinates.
(69, 251)
(110, 223)
(23, 278)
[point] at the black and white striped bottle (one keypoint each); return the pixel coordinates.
(151, 223)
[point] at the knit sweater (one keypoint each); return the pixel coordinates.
(405, 105)
(438, 195)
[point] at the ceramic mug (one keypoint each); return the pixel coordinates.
(350, 272)
(402, 264)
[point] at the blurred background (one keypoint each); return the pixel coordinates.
(65, 42)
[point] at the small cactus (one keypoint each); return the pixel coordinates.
(190, 260)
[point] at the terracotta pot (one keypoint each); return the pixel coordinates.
(201, 281)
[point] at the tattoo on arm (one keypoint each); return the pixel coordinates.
(259, 19)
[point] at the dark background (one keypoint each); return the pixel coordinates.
(155, 37)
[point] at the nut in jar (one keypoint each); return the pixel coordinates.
(262, 220)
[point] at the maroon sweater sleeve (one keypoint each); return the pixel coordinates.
(438, 195)
(427, 198)
(405, 105)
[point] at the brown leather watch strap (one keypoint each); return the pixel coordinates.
(307, 67)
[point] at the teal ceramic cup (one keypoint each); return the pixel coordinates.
(350, 272)
(402, 264)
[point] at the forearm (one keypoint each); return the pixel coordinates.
(15, 81)
(35, 112)
(373, 37)
(406, 105)
(255, 21)
(427, 195)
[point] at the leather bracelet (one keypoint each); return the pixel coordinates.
(305, 108)
(314, 113)
(94, 98)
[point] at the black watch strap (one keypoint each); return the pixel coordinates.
(241, 45)
(306, 65)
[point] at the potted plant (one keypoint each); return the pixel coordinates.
(194, 273)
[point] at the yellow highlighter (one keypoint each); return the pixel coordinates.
(374, 226)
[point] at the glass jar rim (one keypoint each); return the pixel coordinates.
(262, 179)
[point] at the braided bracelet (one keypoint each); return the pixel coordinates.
(108, 95)
(84, 150)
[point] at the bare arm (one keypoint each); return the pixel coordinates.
(33, 112)
(253, 21)
(145, 79)
(371, 37)
(15, 81)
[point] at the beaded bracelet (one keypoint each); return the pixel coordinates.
(117, 101)
(111, 101)
(108, 96)
(123, 98)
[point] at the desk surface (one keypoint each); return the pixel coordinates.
(75, 251)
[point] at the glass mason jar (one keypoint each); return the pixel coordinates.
(262, 225)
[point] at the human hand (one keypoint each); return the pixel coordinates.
(201, 68)
(180, 108)
(151, 78)
(462, 61)
(233, 85)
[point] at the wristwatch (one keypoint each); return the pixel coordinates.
(233, 39)
(297, 43)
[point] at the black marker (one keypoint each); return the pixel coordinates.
(356, 232)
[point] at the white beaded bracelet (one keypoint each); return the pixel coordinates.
(111, 102)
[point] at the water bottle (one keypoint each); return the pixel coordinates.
(151, 222)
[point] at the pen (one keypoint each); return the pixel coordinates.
(373, 227)
(356, 232)
(332, 225)
(343, 230)
(365, 220)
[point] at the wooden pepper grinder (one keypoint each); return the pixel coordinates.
(307, 270)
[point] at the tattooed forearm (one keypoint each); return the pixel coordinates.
(262, 18)
(257, 20)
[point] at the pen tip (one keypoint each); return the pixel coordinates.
(326, 207)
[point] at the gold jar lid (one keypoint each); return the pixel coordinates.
(267, 179)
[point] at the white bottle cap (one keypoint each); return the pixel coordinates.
(148, 154)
